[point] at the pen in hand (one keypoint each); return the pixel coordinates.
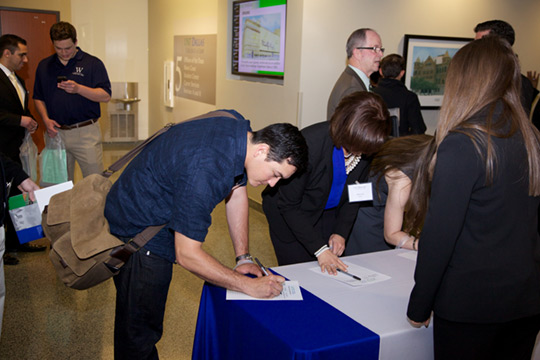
(351, 275)
(262, 267)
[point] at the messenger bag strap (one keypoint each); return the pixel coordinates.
(122, 253)
(120, 163)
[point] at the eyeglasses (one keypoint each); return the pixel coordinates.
(372, 48)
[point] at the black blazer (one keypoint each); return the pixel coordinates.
(300, 200)
(11, 110)
(477, 260)
(395, 94)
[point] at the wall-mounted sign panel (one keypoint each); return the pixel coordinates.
(195, 67)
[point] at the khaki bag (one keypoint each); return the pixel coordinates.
(83, 251)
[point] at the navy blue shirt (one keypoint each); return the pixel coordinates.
(65, 108)
(178, 179)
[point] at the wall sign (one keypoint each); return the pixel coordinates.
(195, 67)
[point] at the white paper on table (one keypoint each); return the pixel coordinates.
(44, 195)
(368, 276)
(411, 255)
(291, 291)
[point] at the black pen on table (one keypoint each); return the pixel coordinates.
(262, 267)
(351, 275)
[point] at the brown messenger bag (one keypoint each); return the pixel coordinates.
(83, 251)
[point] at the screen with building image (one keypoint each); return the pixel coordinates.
(258, 38)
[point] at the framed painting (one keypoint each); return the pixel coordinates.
(426, 63)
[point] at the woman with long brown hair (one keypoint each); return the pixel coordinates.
(400, 177)
(477, 268)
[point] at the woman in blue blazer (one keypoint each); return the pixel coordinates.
(310, 215)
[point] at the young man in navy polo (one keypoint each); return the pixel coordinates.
(68, 89)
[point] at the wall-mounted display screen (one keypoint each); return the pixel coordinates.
(258, 38)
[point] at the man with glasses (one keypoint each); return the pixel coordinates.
(364, 52)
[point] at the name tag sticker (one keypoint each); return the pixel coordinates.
(360, 192)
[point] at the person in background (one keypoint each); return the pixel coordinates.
(310, 215)
(374, 79)
(400, 178)
(478, 258)
(177, 180)
(9, 169)
(364, 52)
(68, 89)
(505, 31)
(529, 83)
(396, 95)
(15, 121)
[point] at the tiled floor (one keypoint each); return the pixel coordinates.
(44, 320)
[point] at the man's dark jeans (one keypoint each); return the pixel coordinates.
(141, 292)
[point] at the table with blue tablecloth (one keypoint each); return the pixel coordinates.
(333, 321)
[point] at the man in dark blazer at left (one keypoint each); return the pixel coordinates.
(15, 119)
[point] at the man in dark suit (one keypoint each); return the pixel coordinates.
(529, 92)
(15, 119)
(396, 95)
(505, 31)
(364, 52)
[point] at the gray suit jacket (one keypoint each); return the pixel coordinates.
(348, 82)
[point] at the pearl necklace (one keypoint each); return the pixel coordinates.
(351, 162)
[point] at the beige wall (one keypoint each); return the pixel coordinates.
(117, 33)
(167, 18)
(315, 55)
(326, 29)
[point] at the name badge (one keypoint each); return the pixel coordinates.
(360, 192)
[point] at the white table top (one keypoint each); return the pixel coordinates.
(381, 307)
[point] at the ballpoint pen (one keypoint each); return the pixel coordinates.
(351, 275)
(261, 266)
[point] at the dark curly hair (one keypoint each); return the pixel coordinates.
(286, 143)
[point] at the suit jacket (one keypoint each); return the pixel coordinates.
(477, 254)
(395, 94)
(300, 200)
(347, 83)
(11, 110)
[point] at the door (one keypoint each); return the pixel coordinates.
(33, 26)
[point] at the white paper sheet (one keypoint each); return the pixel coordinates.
(44, 195)
(291, 291)
(367, 276)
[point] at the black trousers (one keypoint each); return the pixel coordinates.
(286, 246)
(511, 340)
(141, 293)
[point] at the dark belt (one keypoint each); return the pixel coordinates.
(78, 125)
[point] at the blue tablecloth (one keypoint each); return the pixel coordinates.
(309, 329)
